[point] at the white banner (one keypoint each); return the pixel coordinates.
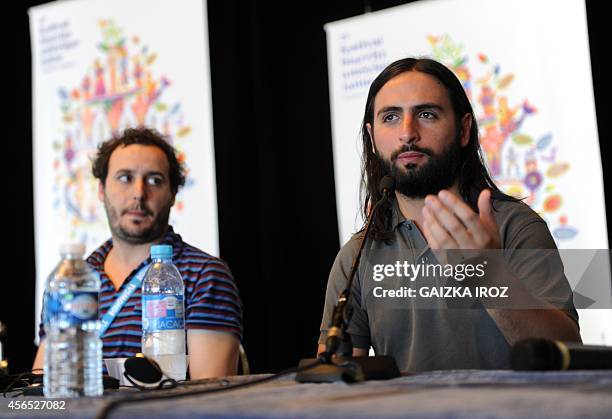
(100, 66)
(528, 77)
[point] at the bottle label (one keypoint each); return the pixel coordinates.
(75, 307)
(162, 312)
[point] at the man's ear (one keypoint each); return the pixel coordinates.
(466, 128)
(369, 128)
(100, 191)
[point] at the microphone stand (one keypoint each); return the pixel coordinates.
(337, 362)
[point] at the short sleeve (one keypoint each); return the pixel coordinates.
(214, 302)
(533, 256)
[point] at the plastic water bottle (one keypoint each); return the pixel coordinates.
(73, 349)
(163, 318)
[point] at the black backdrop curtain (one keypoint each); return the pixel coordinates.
(273, 151)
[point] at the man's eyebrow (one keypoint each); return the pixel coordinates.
(415, 108)
(423, 106)
(389, 109)
(130, 171)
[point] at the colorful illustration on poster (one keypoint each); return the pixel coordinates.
(523, 164)
(119, 89)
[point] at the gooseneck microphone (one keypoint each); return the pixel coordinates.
(550, 355)
(342, 313)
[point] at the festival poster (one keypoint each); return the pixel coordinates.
(528, 77)
(102, 66)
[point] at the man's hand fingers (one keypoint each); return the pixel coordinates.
(485, 209)
(463, 211)
(439, 233)
(450, 222)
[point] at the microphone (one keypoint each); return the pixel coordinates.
(553, 355)
(342, 313)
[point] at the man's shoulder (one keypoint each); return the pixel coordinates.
(519, 225)
(348, 251)
(505, 210)
(350, 248)
(187, 253)
(97, 257)
(194, 257)
(188, 250)
(203, 270)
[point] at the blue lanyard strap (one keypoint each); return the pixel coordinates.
(129, 289)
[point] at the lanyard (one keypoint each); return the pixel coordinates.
(129, 289)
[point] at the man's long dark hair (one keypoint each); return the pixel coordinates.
(473, 174)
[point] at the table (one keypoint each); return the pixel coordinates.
(439, 394)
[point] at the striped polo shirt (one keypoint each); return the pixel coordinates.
(212, 301)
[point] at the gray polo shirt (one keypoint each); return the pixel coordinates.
(438, 337)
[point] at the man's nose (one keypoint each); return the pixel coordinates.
(408, 130)
(139, 189)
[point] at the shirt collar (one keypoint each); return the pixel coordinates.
(397, 218)
(396, 215)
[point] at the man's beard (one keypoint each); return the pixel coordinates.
(440, 171)
(136, 235)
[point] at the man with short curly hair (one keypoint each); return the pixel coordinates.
(139, 176)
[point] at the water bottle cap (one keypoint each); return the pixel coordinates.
(161, 251)
(76, 249)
